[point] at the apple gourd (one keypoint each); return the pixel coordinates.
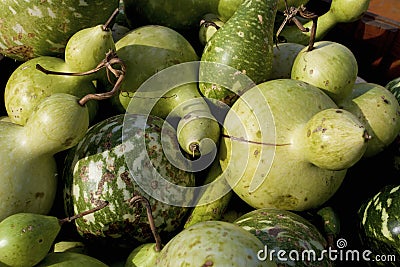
(330, 66)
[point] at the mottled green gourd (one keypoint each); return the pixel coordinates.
(379, 223)
(27, 85)
(287, 231)
(292, 156)
(28, 168)
(378, 109)
(32, 29)
(341, 11)
(245, 43)
(212, 243)
(118, 158)
(26, 238)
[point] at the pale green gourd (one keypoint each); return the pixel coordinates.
(27, 86)
(288, 146)
(28, 169)
(26, 238)
(341, 11)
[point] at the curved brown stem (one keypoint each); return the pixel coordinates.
(79, 215)
(240, 139)
(106, 25)
(110, 60)
(153, 228)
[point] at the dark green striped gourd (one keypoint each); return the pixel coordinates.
(97, 170)
(286, 231)
(380, 224)
(244, 43)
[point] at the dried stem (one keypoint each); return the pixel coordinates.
(106, 25)
(99, 207)
(110, 60)
(252, 142)
(153, 228)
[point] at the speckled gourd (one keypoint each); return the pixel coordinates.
(295, 145)
(30, 28)
(286, 231)
(27, 85)
(212, 243)
(118, 158)
(244, 43)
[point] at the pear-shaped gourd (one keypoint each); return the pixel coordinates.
(67, 259)
(340, 11)
(26, 238)
(27, 85)
(265, 154)
(245, 43)
(379, 110)
(145, 255)
(161, 80)
(335, 139)
(212, 243)
(32, 29)
(28, 169)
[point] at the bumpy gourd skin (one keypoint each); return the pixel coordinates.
(244, 43)
(42, 28)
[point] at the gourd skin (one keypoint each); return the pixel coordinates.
(28, 169)
(244, 43)
(341, 11)
(287, 179)
(42, 28)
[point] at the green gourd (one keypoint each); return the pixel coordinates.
(292, 156)
(27, 85)
(29, 172)
(161, 77)
(244, 43)
(214, 200)
(379, 110)
(42, 28)
(341, 11)
(144, 255)
(284, 56)
(183, 14)
(26, 238)
(67, 259)
(212, 243)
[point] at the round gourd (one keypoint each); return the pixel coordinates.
(212, 243)
(107, 166)
(282, 230)
(264, 156)
(329, 66)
